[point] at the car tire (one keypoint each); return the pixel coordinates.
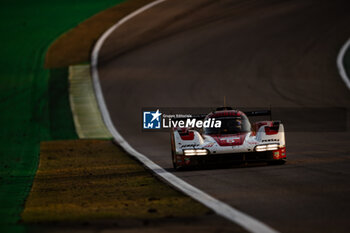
(277, 162)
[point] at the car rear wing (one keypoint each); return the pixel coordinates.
(247, 113)
(258, 113)
(193, 116)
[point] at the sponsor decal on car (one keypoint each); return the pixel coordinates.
(189, 145)
(230, 139)
(211, 144)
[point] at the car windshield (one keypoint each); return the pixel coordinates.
(230, 125)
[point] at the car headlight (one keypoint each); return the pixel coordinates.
(192, 152)
(272, 147)
(266, 147)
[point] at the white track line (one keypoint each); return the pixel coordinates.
(245, 221)
(340, 64)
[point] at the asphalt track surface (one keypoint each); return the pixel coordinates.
(256, 53)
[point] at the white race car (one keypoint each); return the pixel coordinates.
(235, 140)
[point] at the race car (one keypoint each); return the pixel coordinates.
(236, 140)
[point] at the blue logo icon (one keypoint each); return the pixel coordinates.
(151, 120)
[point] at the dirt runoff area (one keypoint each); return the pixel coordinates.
(92, 185)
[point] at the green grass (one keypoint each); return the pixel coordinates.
(27, 29)
(60, 114)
